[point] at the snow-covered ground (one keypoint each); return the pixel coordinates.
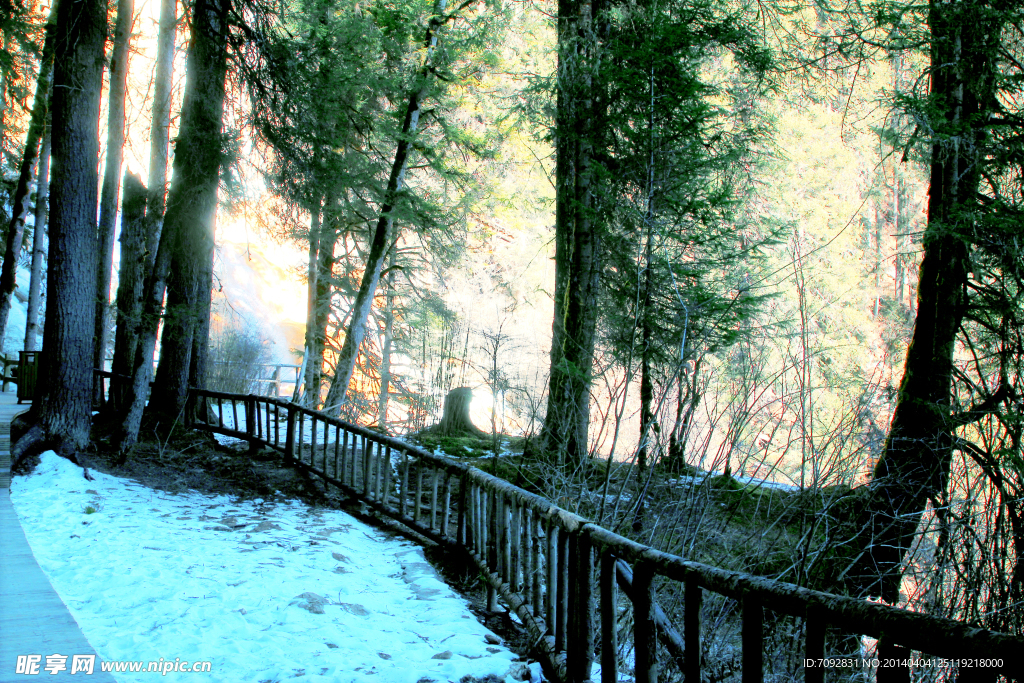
(264, 591)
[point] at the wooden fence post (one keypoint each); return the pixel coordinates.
(581, 613)
(250, 422)
(403, 499)
(564, 599)
(289, 440)
(386, 484)
(491, 530)
(515, 537)
(446, 504)
(752, 634)
(463, 501)
(504, 538)
(367, 465)
(814, 643)
(536, 579)
(693, 596)
(609, 619)
(645, 645)
(417, 511)
(551, 611)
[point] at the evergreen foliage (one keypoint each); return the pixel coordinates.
(952, 427)
(331, 125)
(649, 146)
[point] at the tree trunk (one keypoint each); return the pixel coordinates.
(646, 386)
(130, 281)
(201, 339)
(111, 177)
(310, 378)
(19, 206)
(38, 246)
(918, 450)
(187, 230)
(324, 291)
(3, 107)
(137, 387)
(64, 409)
(356, 330)
(455, 420)
(686, 404)
(161, 126)
(644, 454)
(578, 242)
(153, 207)
(192, 204)
(385, 351)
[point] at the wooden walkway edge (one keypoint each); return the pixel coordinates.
(33, 618)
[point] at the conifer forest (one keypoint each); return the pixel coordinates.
(742, 280)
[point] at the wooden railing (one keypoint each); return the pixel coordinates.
(566, 578)
(269, 378)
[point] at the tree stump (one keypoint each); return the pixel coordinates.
(455, 421)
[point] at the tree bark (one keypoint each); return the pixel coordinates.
(310, 378)
(187, 234)
(64, 408)
(130, 280)
(201, 338)
(3, 106)
(644, 450)
(19, 205)
(112, 176)
(916, 461)
(161, 126)
(192, 204)
(153, 206)
(35, 285)
(385, 351)
(356, 331)
(324, 292)
(578, 241)
(137, 389)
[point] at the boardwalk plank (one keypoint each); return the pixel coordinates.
(33, 618)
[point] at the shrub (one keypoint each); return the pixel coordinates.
(237, 352)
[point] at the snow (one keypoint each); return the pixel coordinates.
(688, 482)
(14, 338)
(766, 483)
(265, 591)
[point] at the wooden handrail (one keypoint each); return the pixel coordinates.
(543, 561)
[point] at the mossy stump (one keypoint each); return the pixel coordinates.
(455, 420)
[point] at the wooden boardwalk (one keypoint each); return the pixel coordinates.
(33, 619)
